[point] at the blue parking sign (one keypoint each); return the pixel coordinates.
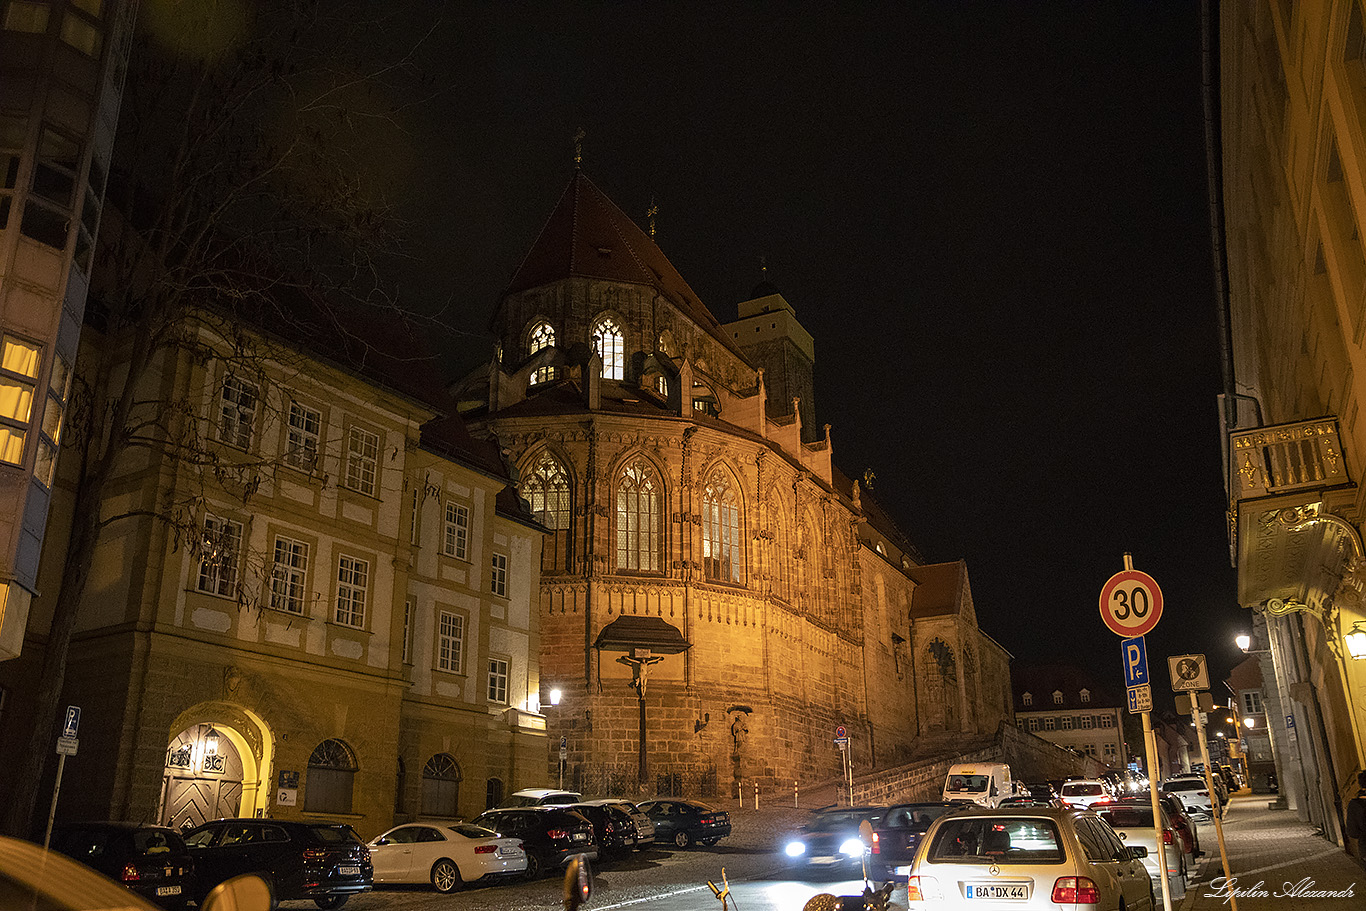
(72, 723)
(1135, 662)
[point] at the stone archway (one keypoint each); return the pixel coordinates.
(219, 760)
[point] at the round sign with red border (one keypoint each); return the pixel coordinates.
(1131, 603)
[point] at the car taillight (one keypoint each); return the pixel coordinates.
(484, 849)
(1166, 836)
(130, 874)
(556, 834)
(707, 820)
(922, 888)
(877, 844)
(1080, 890)
(315, 854)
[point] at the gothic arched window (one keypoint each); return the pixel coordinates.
(607, 342)
(542, 335)
(639, 497)
(722, 554)
(546, 488)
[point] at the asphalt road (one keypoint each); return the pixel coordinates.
(658, 879)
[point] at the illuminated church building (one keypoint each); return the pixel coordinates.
(709, 573)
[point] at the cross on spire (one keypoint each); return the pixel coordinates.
(650, 214)
(578, 147)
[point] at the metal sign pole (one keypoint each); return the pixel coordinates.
(1213, 799)
(1150, 748)
(56, 789)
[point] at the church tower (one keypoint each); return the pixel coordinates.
(773, 340)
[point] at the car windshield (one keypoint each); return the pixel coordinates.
(1128, 817)
(969, 782)
(1000, 840)
(1185, 785)
(472, 831)
(832, 822)
(1081, 790)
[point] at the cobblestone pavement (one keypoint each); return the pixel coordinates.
(1276, 861)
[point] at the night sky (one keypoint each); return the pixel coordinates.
(992, 218)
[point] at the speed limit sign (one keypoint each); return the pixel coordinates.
(1131, 603)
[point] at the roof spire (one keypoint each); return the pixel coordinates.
(763, 268)
(578, 148)
(650, 214)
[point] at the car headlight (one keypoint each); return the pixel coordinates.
(795, 849)
(852, 847)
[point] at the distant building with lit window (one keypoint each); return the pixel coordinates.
(1066, 706)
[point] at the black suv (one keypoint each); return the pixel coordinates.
(550, 835)
(613, 828)
(150, 860)
(300, 860)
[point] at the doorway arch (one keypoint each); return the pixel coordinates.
(219, 759)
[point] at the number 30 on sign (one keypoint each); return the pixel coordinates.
(1131, 603)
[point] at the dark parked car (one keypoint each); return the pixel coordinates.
(150, 860)
(300, 860)
(897, 834)
(613, 829)
(683, 822)
(830, 839)
(1041, 791)
(550, 835)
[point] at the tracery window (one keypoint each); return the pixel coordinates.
(542, 336)
(608, 342)
(722, 555)
(546, 489)
(779, 549)
(639, 498)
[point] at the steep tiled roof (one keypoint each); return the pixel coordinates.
(939, 589)
(588, 236)
(1041, 681)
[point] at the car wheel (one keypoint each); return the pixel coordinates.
(331, 902)
(682, 839)
(534, 866)
(445, 876)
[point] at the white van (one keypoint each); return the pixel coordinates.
(984, 783)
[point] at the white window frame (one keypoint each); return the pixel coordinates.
(1049, 723)
(450, 642)
(407, 630)
(1085, 695)
(237, 403)
(1065, 723)
(1088, 722)
(1106, 721)
(362, 460)
(219, 578)
(1252, 702)
(1027, 699)
(456, 541)
(498, 575)
(303, 431)
(289, 575)
(498, 680)
(353, 585)
(1057, 697)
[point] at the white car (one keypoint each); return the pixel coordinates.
(1085, 792)
(1132, 821)
(447, 856)
(541, 797)
(1027, 859)
(1194, 793)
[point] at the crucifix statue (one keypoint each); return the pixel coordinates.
(639, 661)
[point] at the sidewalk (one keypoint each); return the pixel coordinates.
(1277, 861)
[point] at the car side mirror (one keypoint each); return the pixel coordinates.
(247, 892)
(1137, 852)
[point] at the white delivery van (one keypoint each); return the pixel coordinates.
(984, 783)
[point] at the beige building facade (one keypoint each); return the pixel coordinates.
(710, 578)
(327, 613)
(1292, 95)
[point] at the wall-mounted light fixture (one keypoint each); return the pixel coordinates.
(1244, 641)
(211, 742)
(1355, 640)
(1249, 722)
(555, 695)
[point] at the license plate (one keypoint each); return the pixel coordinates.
(580, 836)
(507, 849)
(168, 890)
(996, 891)
(349, 870)
(826, 859)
